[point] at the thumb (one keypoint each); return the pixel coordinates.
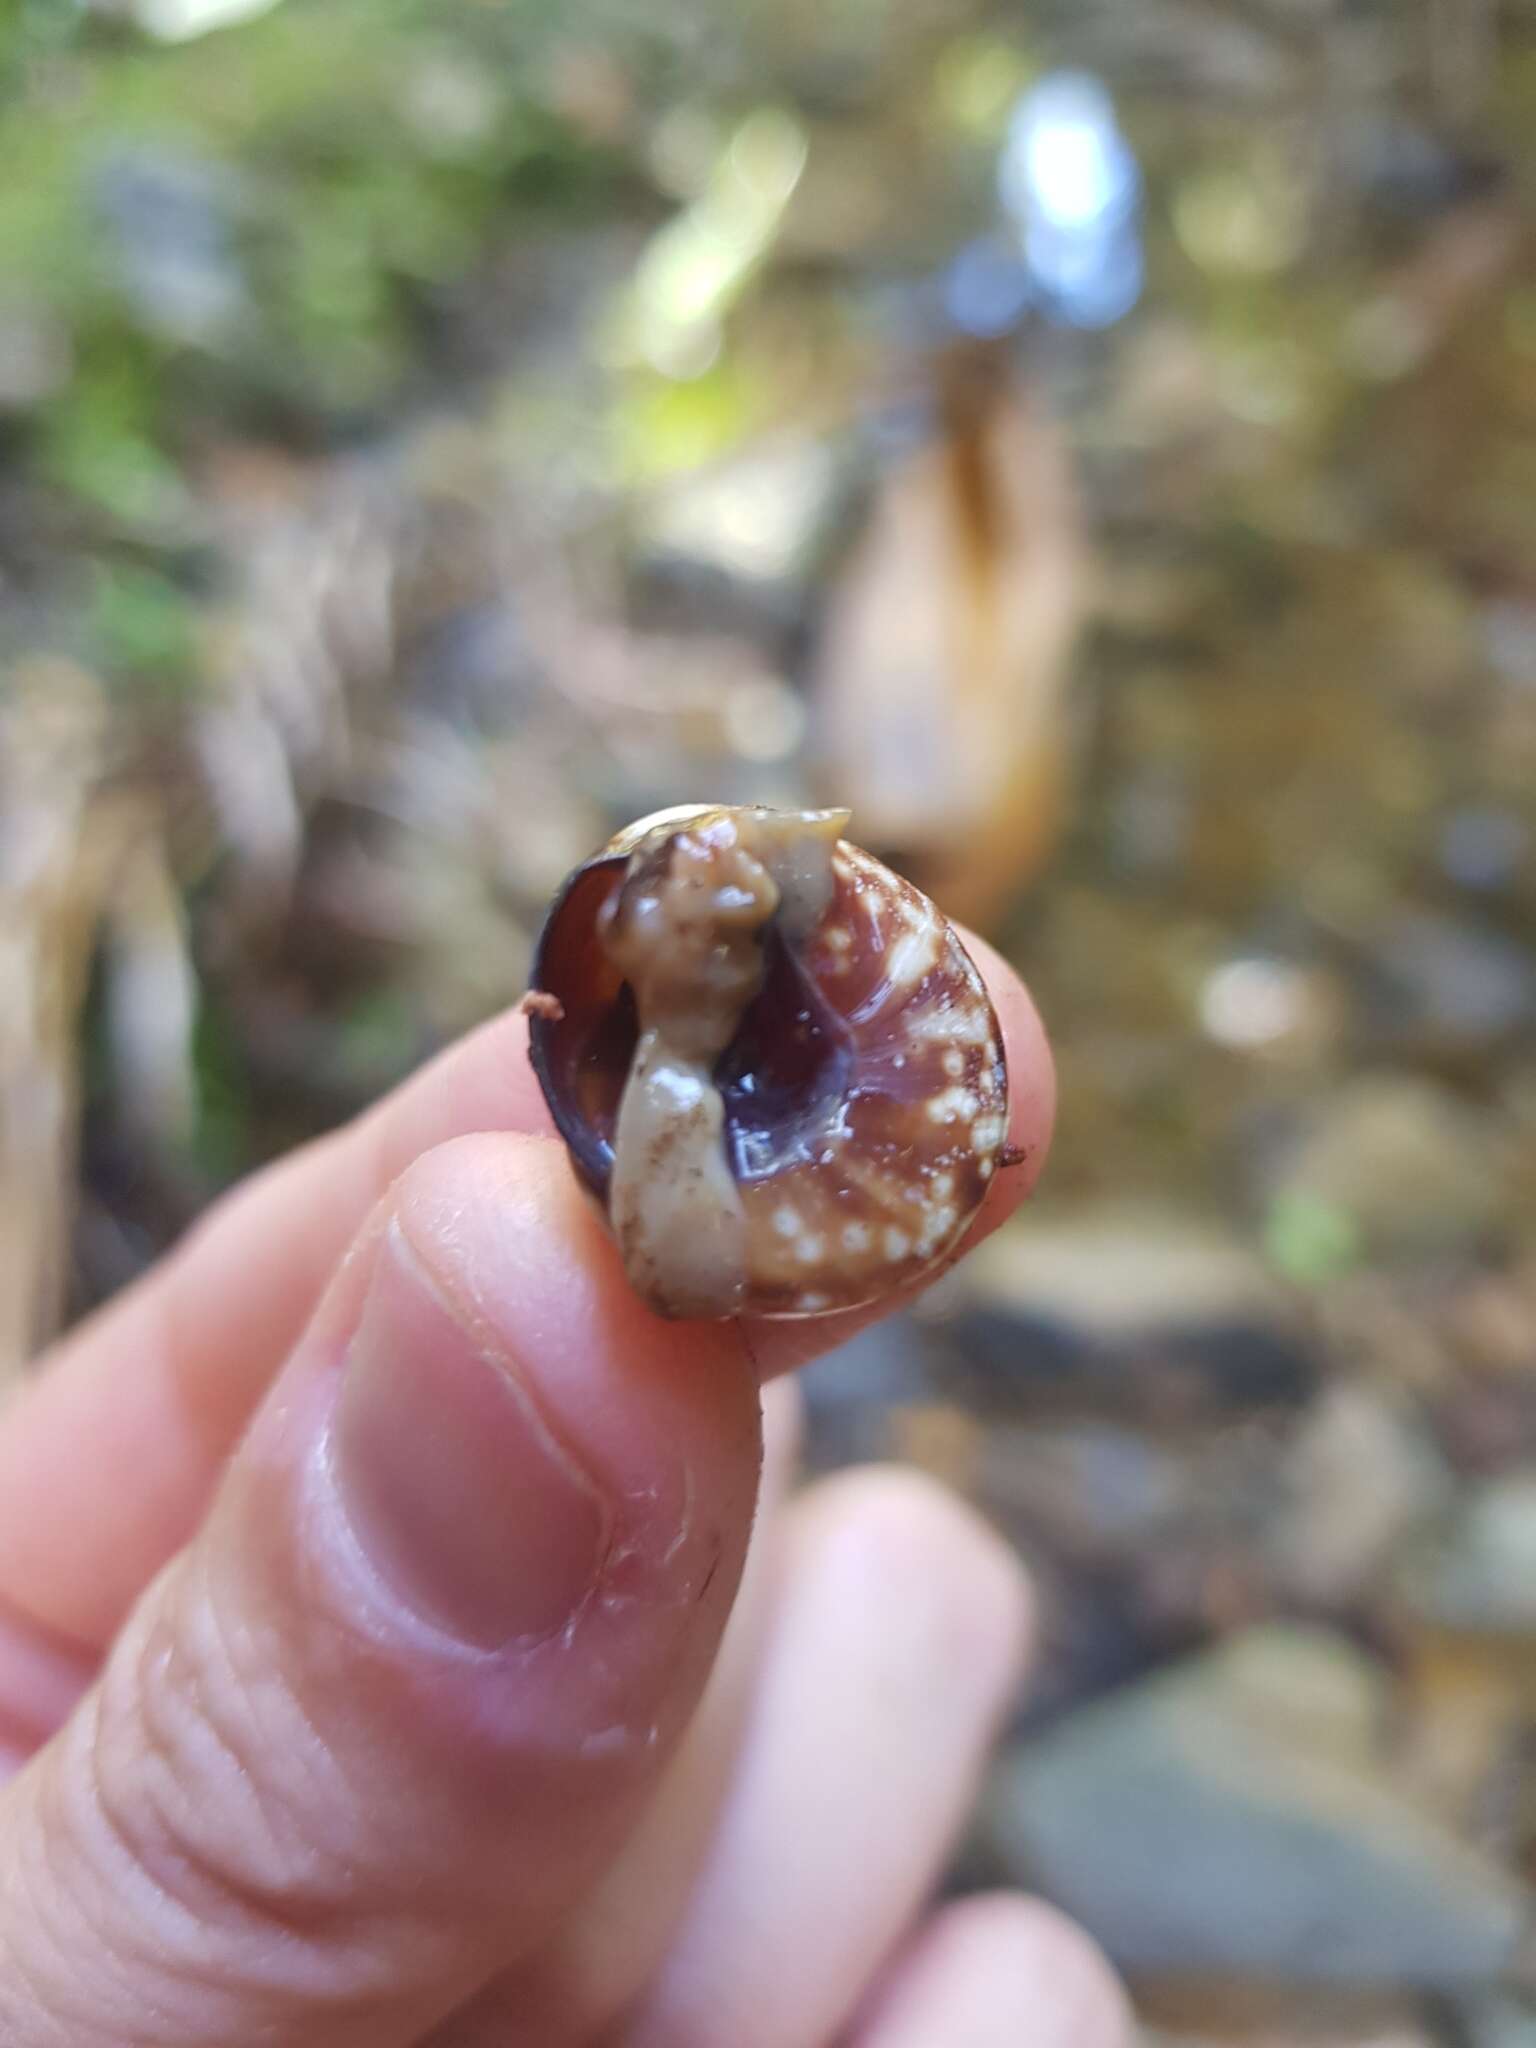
(364, 1742)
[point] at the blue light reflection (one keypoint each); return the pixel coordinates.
(988, 288)
(1070, 184)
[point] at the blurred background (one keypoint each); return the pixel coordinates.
(1095, 439)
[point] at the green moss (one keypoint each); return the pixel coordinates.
(140, 623)
(222, 1141)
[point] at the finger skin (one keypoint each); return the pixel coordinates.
(298, 1806)
(155, 1390)
(570, 1992)
(41, 1678)
(895, 1648)
(997, 1971)
(894, 1636)
(160, 1383)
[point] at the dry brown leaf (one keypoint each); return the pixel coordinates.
(52, 740)
(940, 699)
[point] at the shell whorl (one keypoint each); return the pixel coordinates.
(808, 1113)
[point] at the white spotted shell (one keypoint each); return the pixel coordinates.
(772, 1060)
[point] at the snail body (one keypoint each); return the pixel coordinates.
(772, 1061)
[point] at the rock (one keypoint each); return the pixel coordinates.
(1446, 985)
(1496, 2019)
(1236, 1815)
(1361, 1475)
(1479, 1573)
(1243, 2016)
(1093, 1509)
(1483, 848)
(1490, 1319)
(1399, 2028)
(1404, 1167)
(1286, 1010)
(938, 1438)
(1095, 1490)
(852, 1392)
(169, 220)
(1097, 1633)
(1113, 1273)
(1488, 1426)
(1146, 1314)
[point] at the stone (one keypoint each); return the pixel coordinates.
(1483, 847)
(1406, 1168)
(1478, 1573)
(1237, 1814)
(1360, 1477)
(1144, 1312)
(1447, 985)
(1496, 2019)
(853, 1392)
(1097, 1491)
(1114, 1272)
(1261, 2016)
(169, 221)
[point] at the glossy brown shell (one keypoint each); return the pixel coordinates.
(865, 1090)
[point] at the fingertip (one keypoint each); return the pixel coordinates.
(998, 1970)
(523, 1255)
(478, 1546)
(891, 1651)
(914, 1545)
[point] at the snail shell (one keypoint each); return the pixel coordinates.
(771, 1059)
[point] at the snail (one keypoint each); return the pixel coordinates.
(771, 1059)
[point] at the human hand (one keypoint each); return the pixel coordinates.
(382, 1662)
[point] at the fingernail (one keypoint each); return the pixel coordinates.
(464, 1501)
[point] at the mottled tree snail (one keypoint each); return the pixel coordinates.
(771, 1059)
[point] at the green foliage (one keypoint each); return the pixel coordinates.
(100, 441)
(1310, 1241)
(315, 177)
(222, 1138)
(140, 623)
(378, 1037)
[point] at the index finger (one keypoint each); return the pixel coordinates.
(109, 1456)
